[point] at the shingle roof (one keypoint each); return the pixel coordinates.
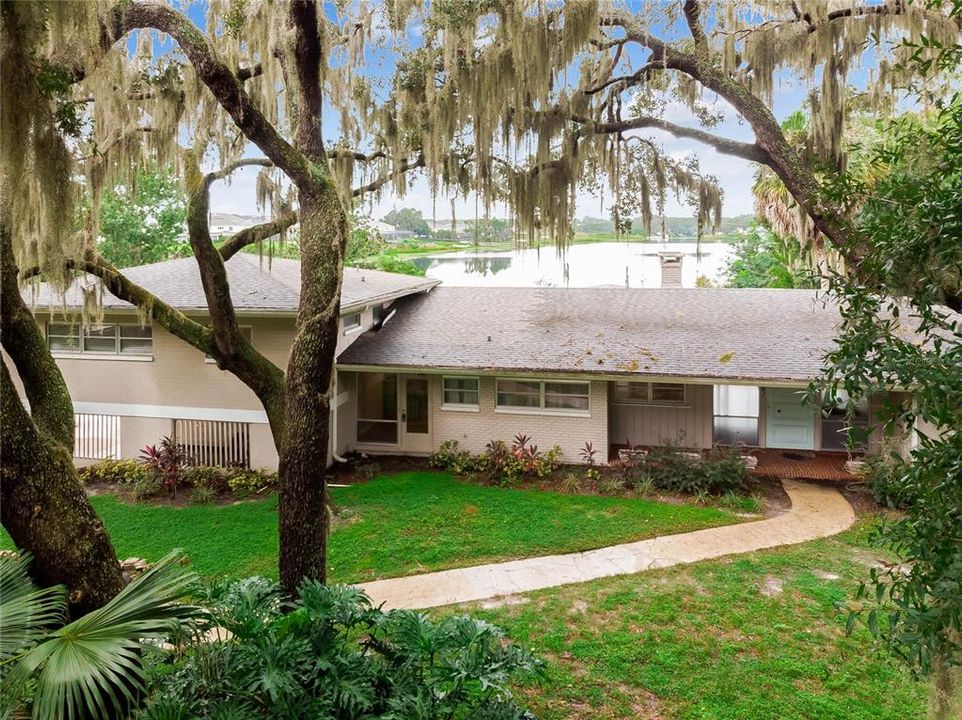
(709, 333)
(256, 286)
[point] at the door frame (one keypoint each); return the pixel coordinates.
(771, 420)
(417, 443)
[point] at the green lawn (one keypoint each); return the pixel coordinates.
(703, 642)
(397, 525)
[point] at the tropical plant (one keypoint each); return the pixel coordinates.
(167, 460)
(92, 667)
(331, 654)
(763, 259)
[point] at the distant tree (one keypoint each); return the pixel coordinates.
(762, 259)
(409, 219)
(362, 243)
(589, 224)
(144, 223)
(491, 230)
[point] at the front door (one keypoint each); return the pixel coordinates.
(415, 415)
(789, 424)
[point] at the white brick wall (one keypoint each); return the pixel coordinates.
(474, 429)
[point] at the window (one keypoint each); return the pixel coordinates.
(106, 339)
(641, 393)
(736, 415)
(845, 424)
(246, 332)
(461, 391)
(351, 321)
(554, 395)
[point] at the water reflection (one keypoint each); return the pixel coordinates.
(589, 265)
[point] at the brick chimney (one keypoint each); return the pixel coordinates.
(670, 269)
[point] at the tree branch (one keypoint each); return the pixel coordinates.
(405, 166)
(256, 233)
(737, 148)
(693, 18)
(216, 75)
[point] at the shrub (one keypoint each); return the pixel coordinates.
(330, 654)
(369, 471)
(202, 495)
(884, 473)
(148, 486)
(168, 460)
(445, 454)
(205, 476)
(243, 482)
(118, 472)
(671, 469)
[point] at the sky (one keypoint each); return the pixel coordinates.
(734, 175)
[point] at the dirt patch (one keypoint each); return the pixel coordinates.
(772, 586)
(825, 575)
(504, 601)
(775, 500)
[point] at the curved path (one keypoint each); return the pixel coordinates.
(817, 511)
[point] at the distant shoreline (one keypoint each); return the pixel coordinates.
(420, 248)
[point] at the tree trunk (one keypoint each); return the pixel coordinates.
(42, 502)
(945, 696)
(304, 450)
(46, 511)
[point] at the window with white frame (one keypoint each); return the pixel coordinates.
(552, 395)
(246, 332)
(460, 392)
(644, 393)
(104, 339)
(351, 321)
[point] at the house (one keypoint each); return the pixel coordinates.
(390, 233)
(419, 364)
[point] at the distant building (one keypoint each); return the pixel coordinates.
(390, 233)
(230, 223)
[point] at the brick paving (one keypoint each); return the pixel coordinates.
(802, 465)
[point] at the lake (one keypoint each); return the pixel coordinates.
(616, 264)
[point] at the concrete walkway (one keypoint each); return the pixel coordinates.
(816, 512)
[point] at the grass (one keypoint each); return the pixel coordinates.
(397, 525)
(703, 641)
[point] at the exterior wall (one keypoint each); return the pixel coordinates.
(690, 425)
(474, 429)
(176, 381)
(900, 440)
(345, 426)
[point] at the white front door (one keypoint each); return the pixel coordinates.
(789, 424)
(416, 414)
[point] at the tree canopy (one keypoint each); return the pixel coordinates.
(145, 223)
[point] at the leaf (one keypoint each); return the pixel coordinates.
(92, 667)
(24, 609)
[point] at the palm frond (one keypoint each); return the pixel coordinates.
(92, 667)
(25, 610)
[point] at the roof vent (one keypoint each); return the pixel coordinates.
(671, 269)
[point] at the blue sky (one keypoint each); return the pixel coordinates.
(734, 175)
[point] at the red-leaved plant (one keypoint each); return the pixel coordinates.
(167, 459)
